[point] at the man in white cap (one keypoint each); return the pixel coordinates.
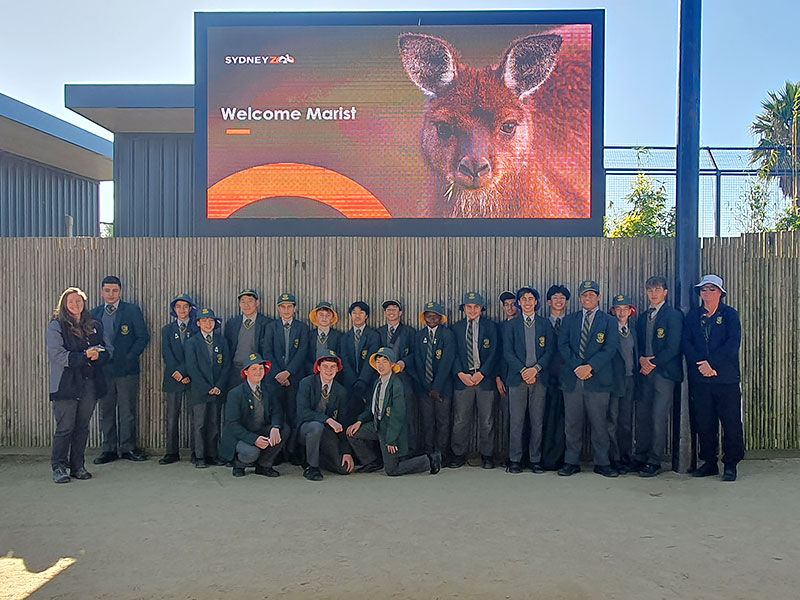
(712, 335)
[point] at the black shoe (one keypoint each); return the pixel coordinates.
(634, 466)
(375, 465)
(706, 470)
(169, 459)
(200, 464)
(105, 457)
(215, 462)
(537, 468)
(729, 474)
(267, 471)
(436, 462)
(238, 472)
(81, 473)
(605, 471)
(456, 462)
(513, 467)
(134, 456)
(487, 462)
(60, 475)
(569, 469)
(312, 474)
(650, 470)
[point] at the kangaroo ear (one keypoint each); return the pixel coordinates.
(430, 62)
(528, 63)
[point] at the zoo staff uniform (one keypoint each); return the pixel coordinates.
(715, 338)
(208, 363)
(125, 337)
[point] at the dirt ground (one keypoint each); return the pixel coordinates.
(140, 530)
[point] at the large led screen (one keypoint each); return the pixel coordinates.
(310, 123)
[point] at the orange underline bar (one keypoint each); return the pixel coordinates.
(237, 132)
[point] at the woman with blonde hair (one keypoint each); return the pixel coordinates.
(75, 350)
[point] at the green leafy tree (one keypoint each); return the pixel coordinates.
(648, 216)
(755, 212)
(776, 128)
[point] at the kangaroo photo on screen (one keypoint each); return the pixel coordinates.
(506, 140)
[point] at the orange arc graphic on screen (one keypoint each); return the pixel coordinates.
(293, 180)
(238, 131)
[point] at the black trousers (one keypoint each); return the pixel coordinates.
(205, 429)
(435, 423)
(711, 404)
(72, 428)
(287, 396)
(368, 446)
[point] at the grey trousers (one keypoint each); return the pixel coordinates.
(174, 401)
(579, 404)
(247, 454)
(652, 417)
(365, 446)
(435, 423)
(521, 399)
(72, 428)
(205, 430)
(464, 402)
(620, 423)
(120, 402)
(322, 446)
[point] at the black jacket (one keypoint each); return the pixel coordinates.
(69, 367)
(488, 351)
(721, 349)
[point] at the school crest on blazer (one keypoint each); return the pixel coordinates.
(439, 354)
(601, 337)
(296, 343)
(660, 333)
(541, 341)
(363, 354)
(719, 320)
(124, 330)
(486, 343)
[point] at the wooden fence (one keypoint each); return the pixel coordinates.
(761, 273)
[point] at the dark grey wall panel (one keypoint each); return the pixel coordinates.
(153, 176)
(35, 198)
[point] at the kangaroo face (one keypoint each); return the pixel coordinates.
(477, 130)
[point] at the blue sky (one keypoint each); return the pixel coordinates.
(746, 52)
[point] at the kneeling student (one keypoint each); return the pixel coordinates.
(384, 421)
(321, 414)
(254, 429)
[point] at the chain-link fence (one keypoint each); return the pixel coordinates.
(728, 183)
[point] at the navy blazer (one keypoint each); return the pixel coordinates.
(173, 353)
(334, 335)
(234, 325)
(356, 367)
(444, 353)
(618, 362)
(402, 340)
(274, 346)
(601, 346)
(488, 350)
(130, 338)
(204, 372)
(667, 333)
(515, 351)
(240, 422)
(721, 350)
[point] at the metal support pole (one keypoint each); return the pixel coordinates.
(69, 225)
(687, 242)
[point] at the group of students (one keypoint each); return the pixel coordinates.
(399, 398)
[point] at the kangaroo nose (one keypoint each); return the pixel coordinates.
(472, 172)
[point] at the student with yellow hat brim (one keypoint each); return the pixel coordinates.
(322, 417)
(383, 424)
(254, 429)
(322, 336)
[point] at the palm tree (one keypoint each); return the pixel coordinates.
(776, 128)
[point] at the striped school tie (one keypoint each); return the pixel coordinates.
(558, 324)
(587, 325)
(257, 393)
(429, 360)
(390, 335)
(248, 323)
(470, 339)
(323, 337)
(110, 308)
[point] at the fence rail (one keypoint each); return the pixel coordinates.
(761, 273)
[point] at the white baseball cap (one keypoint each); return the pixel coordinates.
(713, 280)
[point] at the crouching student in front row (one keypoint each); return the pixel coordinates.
(384, 421)
(254, 427)
(207, 363)
(322, 413)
